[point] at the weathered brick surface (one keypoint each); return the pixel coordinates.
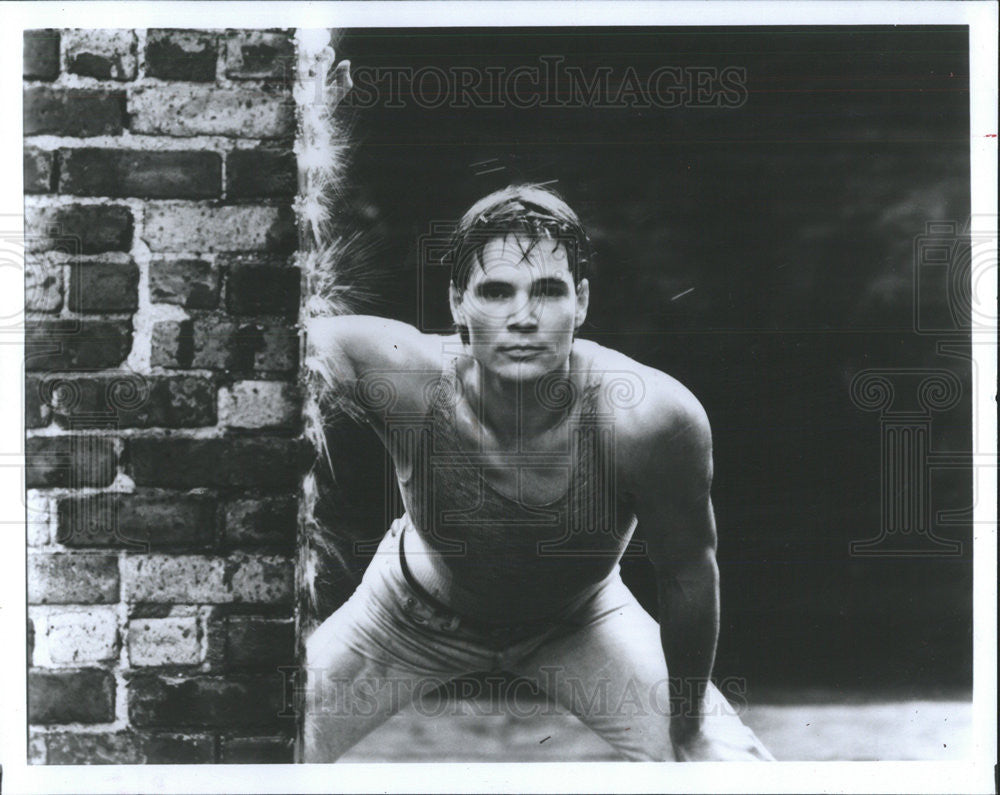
(126, 400)
(75, 637)
(128, 748)
(41, 54)
(224, 462)
(215, 343)
(261, 580)
(198, 579)
(72, 579)
(38, 170)
(84, 696)
(267, 522)
(174, 640)
(254, 642)
(259, 404)
(206, 701)
(103, 287)
(104, 54)
(38, 517)
(43, 285)
(257, 751)
(69, 461)
(191, 283)
(196, 110)
(258, 55)
(174, 579)
(254, 173)
(154, 175)
(73, 112)
(181, 55)
(78, 228)
(140, 520)
(67, 344)
(200, 228)
(263, 290)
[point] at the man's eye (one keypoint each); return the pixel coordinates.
(551, 290)
(494, 292)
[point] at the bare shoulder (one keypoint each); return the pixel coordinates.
(654, 412)
(375, 356)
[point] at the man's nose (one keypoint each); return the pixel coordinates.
(525, 313)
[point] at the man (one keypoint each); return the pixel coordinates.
(525, 458)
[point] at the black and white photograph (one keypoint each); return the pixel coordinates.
(474, 386)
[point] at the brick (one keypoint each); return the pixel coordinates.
(178, 749)
(37, 754)
(41, 55)
(104, 54)
(260, 404)
(199, 228)
(237, 701)
(150, 175)
(85, 696)
(273, 463)
(38, 170)
(259, 55)
(128, 748)
(197, 110)
(263, 290)
(74, 112)
(191, 283)
(181, 55)
(78, 636)
(127, 400)
(177, 579)
(67, 344)
(254, 642)
(103, 287)
(93, 748)
(214, 343)
(69, 461)
(261, 522)
(252, 173)
(43, 286)
(79, 228)
(164, 641)
(261, 580)
(38, 518)
(155, 521)
(257, 751)
(77, 578)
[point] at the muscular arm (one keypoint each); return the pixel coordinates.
(359, 355)
(674, 508)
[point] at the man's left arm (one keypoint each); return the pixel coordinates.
(674, 508)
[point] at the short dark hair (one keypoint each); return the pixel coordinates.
(536, 212)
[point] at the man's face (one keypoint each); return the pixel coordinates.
(521, 310)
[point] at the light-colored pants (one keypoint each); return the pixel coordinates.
(601, 658)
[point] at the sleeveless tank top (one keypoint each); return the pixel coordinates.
(499, 559)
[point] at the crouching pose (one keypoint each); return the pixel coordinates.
(525, 458)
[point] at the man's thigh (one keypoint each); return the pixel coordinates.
(609, 671)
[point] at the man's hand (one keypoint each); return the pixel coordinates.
(337, 80)
(736, 743)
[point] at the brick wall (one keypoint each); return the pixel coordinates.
(164, 450)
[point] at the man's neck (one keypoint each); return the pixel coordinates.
(515, 410)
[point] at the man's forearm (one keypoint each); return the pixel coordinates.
(689, 630)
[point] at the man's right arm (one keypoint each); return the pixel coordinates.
(359, 355)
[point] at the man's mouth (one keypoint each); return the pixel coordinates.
(521, 350)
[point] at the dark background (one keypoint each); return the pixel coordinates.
(787, 228)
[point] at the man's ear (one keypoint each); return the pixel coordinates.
(582, 301)
(455, 302)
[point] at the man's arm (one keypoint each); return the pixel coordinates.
(674, 508)
(373, 363)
